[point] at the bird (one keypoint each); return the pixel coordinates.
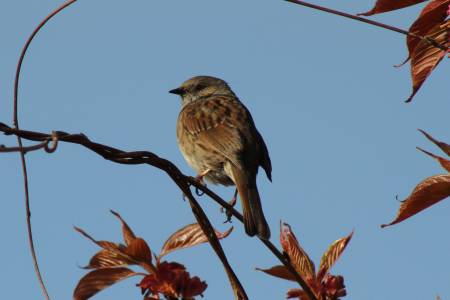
(219, 140)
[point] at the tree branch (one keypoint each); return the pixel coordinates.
(22, 151)
(183, 182)
(43, 145)
(368, 21)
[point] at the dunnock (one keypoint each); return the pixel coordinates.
(218, 138)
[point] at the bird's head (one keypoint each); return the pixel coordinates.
(201, 87)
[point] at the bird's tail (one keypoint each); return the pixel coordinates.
(254, 220)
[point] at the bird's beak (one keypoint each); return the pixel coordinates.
(177, 91)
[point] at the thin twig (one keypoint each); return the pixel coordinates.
(146, 157)
(23, 149)
(43, 145)
(22, 153)
(368, 21)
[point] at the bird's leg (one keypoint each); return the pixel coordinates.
(199, 178)
(232, 203)
(233, 200)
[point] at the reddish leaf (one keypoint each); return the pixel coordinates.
(333, 287)
(195, 287)
(332, 255)
(110, 246)
(297, 293)
(428, 192)
(434, 13)
(425, 57)
(172, 280)
(97, 280)
(107, 259)
(444, 147)
(388, 5)
(137, 253)
(445, 163)
(128, 234)
(188, 236)
(279, 271)
(299, 259)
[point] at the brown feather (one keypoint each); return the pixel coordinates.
(254, 220)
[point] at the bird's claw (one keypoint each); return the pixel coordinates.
(198, 192)
(201, 181)
(228, 211)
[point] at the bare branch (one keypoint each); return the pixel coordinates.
(21, 150)
(43, 145)
(368, 21)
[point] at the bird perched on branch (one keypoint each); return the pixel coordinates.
(218, 138)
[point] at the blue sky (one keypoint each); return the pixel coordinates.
(322, 91)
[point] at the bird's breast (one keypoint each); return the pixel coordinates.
(200, 158)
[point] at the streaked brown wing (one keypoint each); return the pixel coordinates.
(220, 124)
